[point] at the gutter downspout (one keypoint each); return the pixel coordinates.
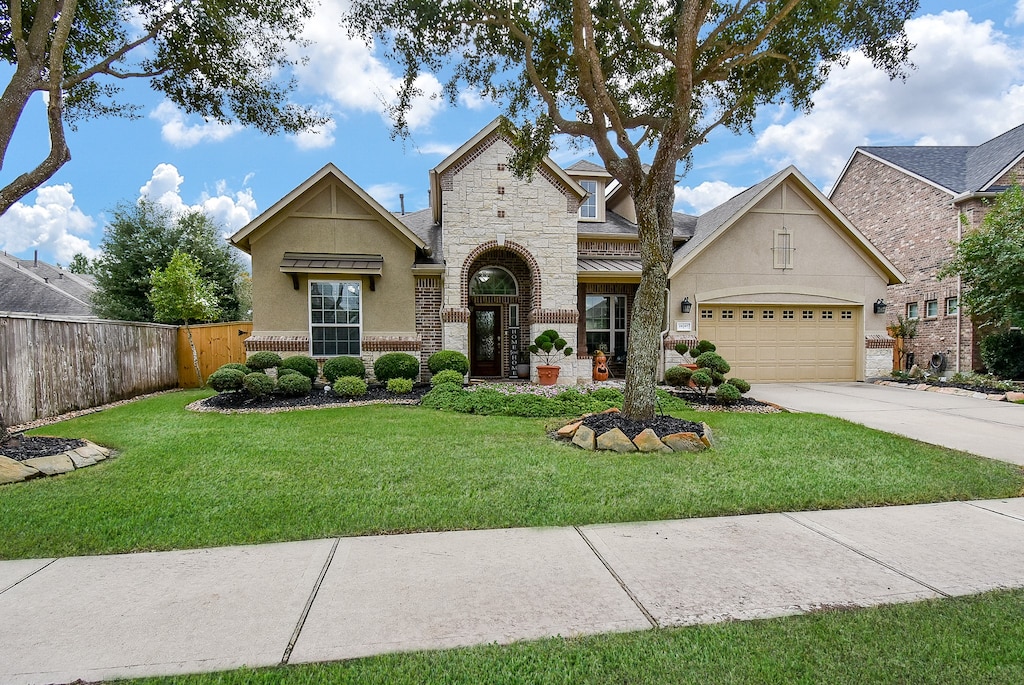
(959, 288)
(664, 334)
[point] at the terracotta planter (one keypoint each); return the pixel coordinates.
(547, 375)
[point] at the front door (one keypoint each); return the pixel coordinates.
(485, 341)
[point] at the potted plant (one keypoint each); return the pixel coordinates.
(700, 348)
(549, 348)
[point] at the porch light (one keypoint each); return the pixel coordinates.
(685, 306)
(880, 306)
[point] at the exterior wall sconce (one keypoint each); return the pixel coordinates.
(880, 306)
(685, 306)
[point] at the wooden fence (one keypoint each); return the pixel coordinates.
(52, 365)
(216, 343)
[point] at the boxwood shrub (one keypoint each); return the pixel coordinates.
(225, 379)
(400, 386)
(263, 360)
(336, 367)
(740, 384)
(350, 386)
(294, 384)
(307, 366)
(281, 373)
(235, 365)
(678, 376)
(396, 365)
(448, 359)
(258, 384)
(446, 376)
(727, 394)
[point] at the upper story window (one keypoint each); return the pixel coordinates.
(493, 280)
(588, 210)
(952, 305)
(912, 310)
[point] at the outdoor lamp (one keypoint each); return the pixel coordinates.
(685, 306)
(880, 306)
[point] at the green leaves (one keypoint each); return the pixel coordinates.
(180, 295)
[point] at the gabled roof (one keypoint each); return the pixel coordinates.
(585, 168)
(712, 224)
(241, 238)
(615, 225)
(33, 287)
(491, 129)
(956, 169)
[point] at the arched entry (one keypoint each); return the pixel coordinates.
(499, 291)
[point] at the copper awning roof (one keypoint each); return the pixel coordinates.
(329, 263)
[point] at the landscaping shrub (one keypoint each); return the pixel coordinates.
(225, 379)
(549, 347)
(571, 402)
(486, 401)
(1003, 354)
(703, 380)
(263, 360)
(713, 361)
(448, 360)
(446, 376)
(727, 394)
(349, 386)
(400, 386)
(608, 395)
(444, 397)
(531, 406)
(235, 365)
(396, 365)
(294, 384)
(281, 373)
(678, 376)
(258, 384)
(740, 385)
(307, 366)
(336, 367)
(702, 347)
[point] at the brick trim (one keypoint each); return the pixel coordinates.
(456, 315)
(391, 343)
(879, 342)
(482, 249)
(671, 342)
(277, 343)
(548, 316)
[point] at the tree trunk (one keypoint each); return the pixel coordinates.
(195, 355)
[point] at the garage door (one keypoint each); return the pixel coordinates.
(787, 343)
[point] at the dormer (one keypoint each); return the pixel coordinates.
(594, 180)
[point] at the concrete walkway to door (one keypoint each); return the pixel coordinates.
(982, 427)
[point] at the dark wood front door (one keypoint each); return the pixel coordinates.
(485, 341)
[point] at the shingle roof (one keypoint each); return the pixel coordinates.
(959, 169)
(422, 224)
(585, 167)
(33, 287)
(617, 225)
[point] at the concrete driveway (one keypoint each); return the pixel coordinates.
(983, 427)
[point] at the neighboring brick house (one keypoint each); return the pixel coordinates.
(908, 201)
(779, 279)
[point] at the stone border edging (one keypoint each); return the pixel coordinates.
(1009, 396)
(12, 471)
(646, 441)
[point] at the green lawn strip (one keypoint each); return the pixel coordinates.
(963, 640)
(189, 480)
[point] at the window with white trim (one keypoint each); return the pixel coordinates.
(912, 310)
(606, 323)
(588, 210)
(931, 309)
(335, 321)
(952, 305)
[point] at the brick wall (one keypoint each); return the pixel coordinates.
(428, 318)
(609, 248)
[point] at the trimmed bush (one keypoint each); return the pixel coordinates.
(1003, 354)
(258, 384)
(400, 386)
(235, 365)
(608, 395)
(396, 365)
(263, 360)
(281, 373)
(702, 347)
(225, 379)
(740, 385)
(294, 384)
(727, 394)
(446, 376)
(549, 347)
(307, 366)
(448, 359)
(336, 367)
(349, 386)
(712, 360)
(678, 376)
(702, 379)
(445, 397)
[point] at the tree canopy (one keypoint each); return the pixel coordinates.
(637, 79)
(220, 59)
(142, 238)
(990, 262)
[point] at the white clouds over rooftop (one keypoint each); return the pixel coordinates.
(232, 210)
(176, 130)
(53, 224)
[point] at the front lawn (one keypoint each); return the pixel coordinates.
(188, 480)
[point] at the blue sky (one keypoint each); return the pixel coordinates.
(968, 86)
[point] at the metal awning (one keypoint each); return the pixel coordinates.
(608, 265)
(296, 263)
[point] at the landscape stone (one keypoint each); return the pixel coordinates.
(648, 441)
(79, 461)
(53, 465)
(708, 438)
(94, 452)
(584, 438)
(616, 441)
(998, 398)
(569, 429)
(684, 442)
(15, 471)
(1014, 396)
(611, 410)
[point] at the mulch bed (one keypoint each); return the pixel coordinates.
(320, 397)
(22, 447)
(661, 425)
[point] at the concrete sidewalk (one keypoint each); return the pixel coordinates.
(214, 609)
(989, 429)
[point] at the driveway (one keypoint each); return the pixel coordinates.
(990, 429)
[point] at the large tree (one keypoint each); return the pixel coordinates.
(142, 238)
(640, 80)
(222, 59)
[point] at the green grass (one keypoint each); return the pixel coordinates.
(188, 480)
(964, 640)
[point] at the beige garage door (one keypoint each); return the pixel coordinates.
(787, 343)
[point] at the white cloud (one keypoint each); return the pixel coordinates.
(968, 86)
(318, 138)
(386, 194)
(346, 71)
(442, 149)
(175, 128)
(471, 99)
(53, 224)
(1018, 14)
(705, 196)
(231, 210)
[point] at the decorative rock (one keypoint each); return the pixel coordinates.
(569, 429)
(684, 442)
(78, 460)
(94, 452)
(615, 440)
(14, 471)
(53, 465)
(998, 398)
(1014, 396)
(611, 410)
(708, 438)
(584, 438)
(648, 441)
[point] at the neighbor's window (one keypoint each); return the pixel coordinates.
(912, 312)
(782, 248)
(952, 305)
(931, 309)
(606, 323)
(588, 210)
(334, 317)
